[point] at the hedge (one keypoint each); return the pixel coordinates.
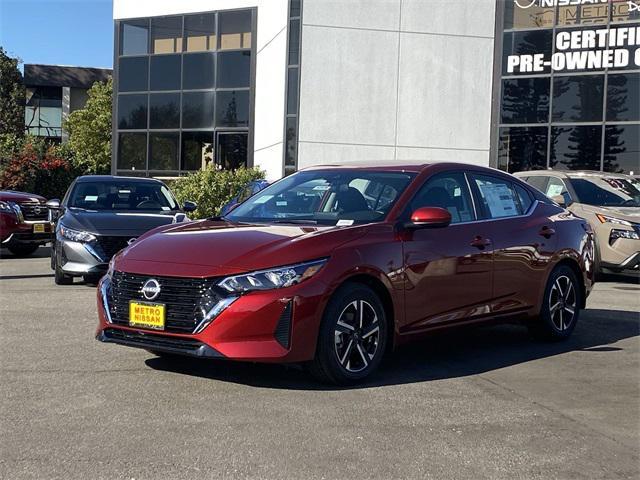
(211, 189)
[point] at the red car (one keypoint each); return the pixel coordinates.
(24, 222)
(333, 266)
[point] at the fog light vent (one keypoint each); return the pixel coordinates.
(282, 333)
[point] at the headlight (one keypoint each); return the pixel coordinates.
(270, 279)
(75, 235)
(628, 234)
(111, 267)
(7, 207)
(617, 221)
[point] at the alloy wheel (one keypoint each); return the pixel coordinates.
(357, 336)
(562, 303)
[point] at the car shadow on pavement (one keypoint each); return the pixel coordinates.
(42, 252)
(453, 354)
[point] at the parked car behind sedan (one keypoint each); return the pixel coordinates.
(100, 215)
(330, 267)
(248, 191)
(611, 204)
(24, 222)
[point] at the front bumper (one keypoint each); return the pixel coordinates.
(75, 258)
(14, 231)
(279, 326)
(629, 264)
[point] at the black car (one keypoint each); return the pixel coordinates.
(100, 215)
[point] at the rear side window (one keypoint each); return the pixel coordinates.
(538, 182)
(525, 198)
(498, 198)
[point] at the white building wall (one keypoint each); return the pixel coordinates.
(270, 64)
(396, 81)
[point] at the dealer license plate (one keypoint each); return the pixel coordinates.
(146, 315)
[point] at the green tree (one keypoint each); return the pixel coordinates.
(12, 96)
(89, 131)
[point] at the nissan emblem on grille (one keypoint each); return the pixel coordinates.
(151, 289)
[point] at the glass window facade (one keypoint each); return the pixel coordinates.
(293, 84)
(43, 112)
(184, 92)
(583, 117)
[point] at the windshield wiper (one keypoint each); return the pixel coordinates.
(296, 221)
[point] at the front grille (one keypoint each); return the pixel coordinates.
(107, 247)
(34, 211)
(182, 297)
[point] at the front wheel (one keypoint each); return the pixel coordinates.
(352, 337)
(61, 278)
(561, 306)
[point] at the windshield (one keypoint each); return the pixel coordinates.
(123, 195)
(334, 197)
(607, 191)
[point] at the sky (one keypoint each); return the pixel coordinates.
(58, 32)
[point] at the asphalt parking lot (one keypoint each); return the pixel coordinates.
(486, 403)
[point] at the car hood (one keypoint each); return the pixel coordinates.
(116, 223)
(631, 214)
(19, 197)
(212, 248)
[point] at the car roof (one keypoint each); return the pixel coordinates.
(571, 174)
(380, 167)
(114, 178)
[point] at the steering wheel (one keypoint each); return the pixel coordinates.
(149, 205)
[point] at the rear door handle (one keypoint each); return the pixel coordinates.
(480, 242)
(547, 232)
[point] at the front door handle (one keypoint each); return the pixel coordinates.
(547, 232)
(480, 242)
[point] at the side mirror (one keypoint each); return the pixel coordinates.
(189, 206)
(429, 217)
(53, 204)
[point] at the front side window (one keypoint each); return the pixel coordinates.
(498, 198)
(123, 196)
(607, 191)
(340, 198)
(448, 191)
(555, 187)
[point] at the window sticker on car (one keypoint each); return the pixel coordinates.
(263, 199)
(91, 198)
(554, 190)
(344, 223)
(281, 204)
(165, 208)
(500, 200)
(321, 188)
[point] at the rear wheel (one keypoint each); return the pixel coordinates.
(561, 306)
(23, 249)
(352, 337)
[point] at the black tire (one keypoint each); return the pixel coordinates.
(62, 278)
(23, 249)
(348, 355)
(560, 306)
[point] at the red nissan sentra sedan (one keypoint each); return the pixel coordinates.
(333, 266)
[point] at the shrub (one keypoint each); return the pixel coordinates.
(211, 188)
(31, 166)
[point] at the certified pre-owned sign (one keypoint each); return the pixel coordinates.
(553, 3)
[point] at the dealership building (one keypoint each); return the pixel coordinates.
(286, 84)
